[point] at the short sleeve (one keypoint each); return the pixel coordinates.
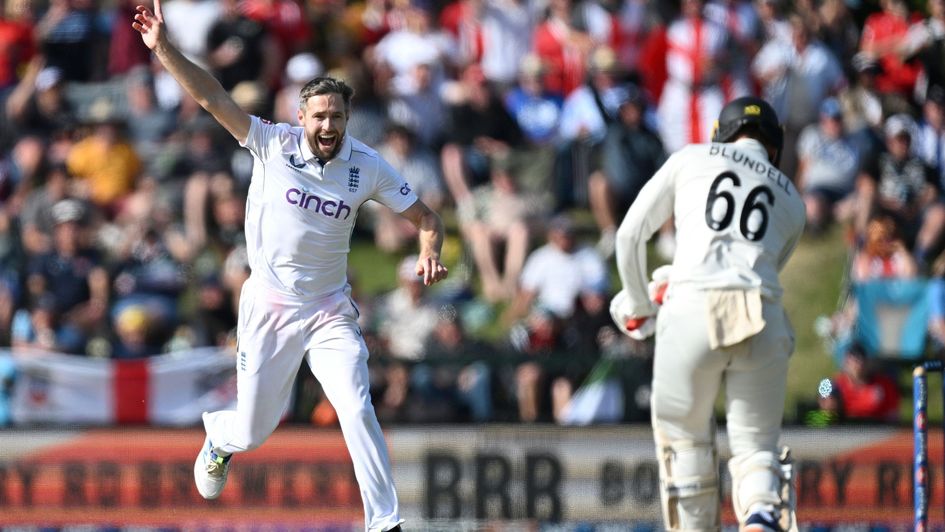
(392, 189)
(264, 137)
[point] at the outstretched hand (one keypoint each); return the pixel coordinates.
(431, 269)
(150, 25)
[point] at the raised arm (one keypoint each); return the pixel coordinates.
(203, 87)
(431, 241)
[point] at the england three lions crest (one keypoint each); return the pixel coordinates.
(354, 177)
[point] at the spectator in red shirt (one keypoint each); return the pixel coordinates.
(882, 35)
(862, 393)
(285, 21)
(562, 48)
(16, 41)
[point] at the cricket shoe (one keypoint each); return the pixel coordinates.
(210, 471)
(761, 522)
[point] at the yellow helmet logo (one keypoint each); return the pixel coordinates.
(752, 110)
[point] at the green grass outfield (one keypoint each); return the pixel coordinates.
(812, 282)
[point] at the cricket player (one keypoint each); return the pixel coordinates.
(721, 323)
(307, 186)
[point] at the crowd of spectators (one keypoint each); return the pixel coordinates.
(122, 203)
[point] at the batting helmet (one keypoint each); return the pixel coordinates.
(750, 111)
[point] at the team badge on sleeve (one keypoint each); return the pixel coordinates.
(404, 190)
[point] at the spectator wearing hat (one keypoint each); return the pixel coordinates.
(134, 333)
(863, 104)
(148, 277)
(538, 114)
(73, 272)
(930, 137)
(828, 163)
(631, 153)
(536, 110)
(898, 183)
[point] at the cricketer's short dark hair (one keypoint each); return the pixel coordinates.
(326, 85)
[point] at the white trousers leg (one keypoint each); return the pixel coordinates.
(687, 376)
(338, 358)
(274, 335)
(269, 352)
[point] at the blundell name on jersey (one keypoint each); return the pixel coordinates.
(760, 168)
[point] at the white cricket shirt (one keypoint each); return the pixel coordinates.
(300, 215)
(737, 218)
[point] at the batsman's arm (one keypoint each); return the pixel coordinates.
(203, 87)
(649, 211)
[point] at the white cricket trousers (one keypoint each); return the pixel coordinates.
(274, 333)
(688, 375)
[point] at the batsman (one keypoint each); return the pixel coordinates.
(719, 322)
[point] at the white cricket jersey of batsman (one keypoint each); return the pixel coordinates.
(737, 218)
(300, 214)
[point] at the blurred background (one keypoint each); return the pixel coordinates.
(509, 399)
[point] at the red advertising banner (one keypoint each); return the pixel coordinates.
(497, 474)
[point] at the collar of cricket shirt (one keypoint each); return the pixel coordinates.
(344, 153)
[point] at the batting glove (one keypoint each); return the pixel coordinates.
(636, 327)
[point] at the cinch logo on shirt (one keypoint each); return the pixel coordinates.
(328, 208)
